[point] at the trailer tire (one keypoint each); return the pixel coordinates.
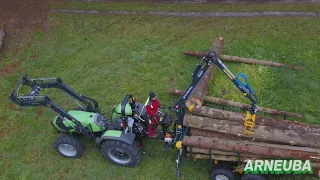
(253, 177)
(223, 172)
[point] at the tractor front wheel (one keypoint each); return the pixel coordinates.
(68, 146)
(121, 153)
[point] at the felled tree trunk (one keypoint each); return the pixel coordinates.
(197, 150)
(243, 60)
(260, 120)
(255, 61)
(214, 134)
(265, 133)
(246, 106)
(262, 149)
(218, 157)
(239, 105)
(2, 34)
(201, 88)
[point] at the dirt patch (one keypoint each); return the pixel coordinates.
(39, 111)
(12, 107)
(19, 20)
(9, 68)
(117, 83)
(171, 82)
(3, 134)
(190, 14)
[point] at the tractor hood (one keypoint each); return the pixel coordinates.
(95, 120)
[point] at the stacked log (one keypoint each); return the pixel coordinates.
(239, 105)
(218, 134)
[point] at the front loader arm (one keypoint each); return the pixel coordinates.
(41, 83)
(33, 99)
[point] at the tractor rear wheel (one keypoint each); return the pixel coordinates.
(121, 153)
(68, 146)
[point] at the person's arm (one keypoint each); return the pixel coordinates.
(150, 112)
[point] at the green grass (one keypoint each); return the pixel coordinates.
(106, 57)
(107, 6)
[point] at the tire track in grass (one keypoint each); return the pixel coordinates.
(189, 14)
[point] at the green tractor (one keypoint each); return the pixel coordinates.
(120, 146)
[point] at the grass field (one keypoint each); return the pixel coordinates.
(106, 57)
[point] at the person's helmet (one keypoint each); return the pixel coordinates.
(152, 95)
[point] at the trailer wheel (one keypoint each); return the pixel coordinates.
(223, 172)
(253, 177)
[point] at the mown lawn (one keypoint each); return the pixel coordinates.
(106, 57)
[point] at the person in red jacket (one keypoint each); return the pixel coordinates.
(154, 119)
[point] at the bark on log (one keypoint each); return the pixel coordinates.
(255, 61)
(262, 144)
(239, 105)
(213, 134)
(243, 60)
(2, 34)
(197, 150)
(262, 149)
(219, 157)
(246, 106)
(260, 120)
(265, 133)
(201, 88)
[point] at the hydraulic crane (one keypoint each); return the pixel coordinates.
(179, 108)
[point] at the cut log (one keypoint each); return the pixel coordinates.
(2, 34)
(265, 133)
(239, 105)
(255, 61)
(262, 149)
(201, 88)
(246, 106)
(197, 150)
(213, 134)
(219, 157)
(243, 60)
(205, 133)
(260, 120)
(194, 53)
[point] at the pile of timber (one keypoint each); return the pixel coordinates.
(218, 134)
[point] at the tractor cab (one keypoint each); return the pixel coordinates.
(131, 108)
(132, 112)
